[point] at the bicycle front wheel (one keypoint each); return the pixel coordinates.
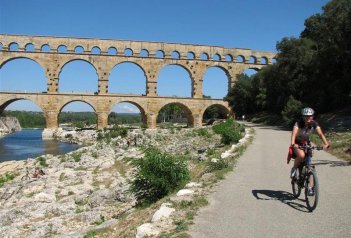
(312, 196)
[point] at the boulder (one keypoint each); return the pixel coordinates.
(164, 212)
(146, 230)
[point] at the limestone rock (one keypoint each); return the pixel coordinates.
(9, 125)
(184, 192)
(164, 212)
(146, 230)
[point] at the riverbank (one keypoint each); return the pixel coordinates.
(88, 189)
(9, 125)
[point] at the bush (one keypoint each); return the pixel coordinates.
(113, 133)
(157, 175)
(118, 131)
(42, 161)
(217, 165)
(203, 132)
(5, 178)
(229, 130)
(76, 156)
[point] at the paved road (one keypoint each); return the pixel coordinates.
(256, 199)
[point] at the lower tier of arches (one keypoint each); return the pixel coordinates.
(149, 107)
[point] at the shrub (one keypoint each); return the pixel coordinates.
(42, 161)
(229, 130)
(217, 165)
(5, 178)
(100, 136)
(118, 131)
(203, 132)
(113, 133)
(157, 175)
(76, 156)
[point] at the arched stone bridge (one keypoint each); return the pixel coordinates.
(53, 53)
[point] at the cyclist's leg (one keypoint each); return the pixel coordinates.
(310, 182)
(300, 156)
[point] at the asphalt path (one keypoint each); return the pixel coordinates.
(255, 200)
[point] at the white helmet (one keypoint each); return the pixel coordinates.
(307, 111)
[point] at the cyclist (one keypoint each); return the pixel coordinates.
(301, 136)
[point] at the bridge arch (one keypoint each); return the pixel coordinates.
(223, 111)
(79, 49)
(216, 82)
(66, 102)
(29, 75)
(127, 68)
(71, 103)
(175, 70)
(14, 46)
(186, 110)
(4, 104)
(9, 59)
(140, 108)
(77, 83)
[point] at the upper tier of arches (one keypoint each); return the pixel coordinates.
(142, 49)
(53, 53)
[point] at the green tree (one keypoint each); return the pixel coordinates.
(291, 74)
(314, 69)
(292, 111)
(331, 31)
(170, 112)
(241, 97)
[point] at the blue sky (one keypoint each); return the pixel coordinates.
(254, 24)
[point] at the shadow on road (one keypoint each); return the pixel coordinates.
(331, 163)
(281, 196)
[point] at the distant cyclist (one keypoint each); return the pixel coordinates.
(301, 136)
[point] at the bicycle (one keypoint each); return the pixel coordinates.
(26, 176)
(302, 179)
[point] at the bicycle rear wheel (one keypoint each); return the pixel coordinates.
(312, 199)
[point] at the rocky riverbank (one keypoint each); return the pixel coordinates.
(88, 189)
(9, 125)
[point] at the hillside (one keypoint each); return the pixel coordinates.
(337, 127)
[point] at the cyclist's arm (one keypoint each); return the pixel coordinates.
(293, 135)
(321, 135)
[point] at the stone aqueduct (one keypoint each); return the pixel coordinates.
(53, 53)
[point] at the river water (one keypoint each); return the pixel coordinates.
(29, 144)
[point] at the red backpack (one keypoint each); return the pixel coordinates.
(290, 154)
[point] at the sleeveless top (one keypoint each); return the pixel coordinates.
(304, 132)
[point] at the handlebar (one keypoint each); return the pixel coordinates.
(312, 147)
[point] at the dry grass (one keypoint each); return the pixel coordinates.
(340, 144)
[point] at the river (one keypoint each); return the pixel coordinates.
(29, 144)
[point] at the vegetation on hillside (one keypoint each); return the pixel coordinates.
(27, 119)
(313, 70)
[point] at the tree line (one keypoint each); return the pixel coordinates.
(312, 70)
(30, 119)
(170, 113)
